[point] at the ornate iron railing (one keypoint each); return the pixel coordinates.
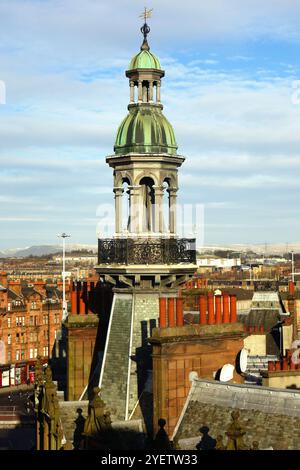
(146, 251)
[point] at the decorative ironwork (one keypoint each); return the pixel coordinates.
(138, 251)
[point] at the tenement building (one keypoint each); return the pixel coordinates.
(30, 325)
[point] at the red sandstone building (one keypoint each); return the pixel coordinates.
(30, 323)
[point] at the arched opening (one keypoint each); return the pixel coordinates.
(145, 91)
(166, 205)
(147, 204)
(125, 205)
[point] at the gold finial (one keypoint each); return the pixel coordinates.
(147, 14)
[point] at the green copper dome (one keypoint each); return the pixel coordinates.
(145, 60)
(145, 130)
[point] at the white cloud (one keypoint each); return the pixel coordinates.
(241, 181)
(66, 95)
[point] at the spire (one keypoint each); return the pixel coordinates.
(145, 29)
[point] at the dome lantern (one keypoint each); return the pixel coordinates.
(145, 129)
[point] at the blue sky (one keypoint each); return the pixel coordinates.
(230, 91)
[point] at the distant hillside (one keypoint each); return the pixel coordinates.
(41, 250)
(264, 248)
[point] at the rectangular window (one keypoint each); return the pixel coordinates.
(17, 355)
(31, 353)
(45, 319)
(8, 322)
(17, 337)
(23, 354)
(22, 337)
(46, 334)
(23, 321)
(31, 320)
(35, 352)
(9, 339)
(33, 305)
(8, 356)
(9, 306)
(45, 350)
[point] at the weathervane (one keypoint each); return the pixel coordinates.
(147, 14)
(145, 28)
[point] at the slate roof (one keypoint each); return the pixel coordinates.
(261, 317)
(53, 292)
(27, 291)
(270, 416)
(12, 295)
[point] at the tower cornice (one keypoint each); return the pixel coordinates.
(117, 160)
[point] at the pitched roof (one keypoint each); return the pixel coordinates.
(261, 317)
(12, 295)
(28, 291)
(262, 409)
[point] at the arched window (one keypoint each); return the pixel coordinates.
(148, 204)
(125, 205)
(166, 204)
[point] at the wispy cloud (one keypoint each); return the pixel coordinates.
(230, 68)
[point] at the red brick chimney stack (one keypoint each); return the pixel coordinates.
(211, 308)
(233, 312)
(171, 312)
(179, 311)
(225, 307)
(291, 287)
(218, 318)
(162, 312)
(202, 307)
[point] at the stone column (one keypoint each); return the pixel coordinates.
(150, 91)
(159, 210)
(158, 91)
(140, 91)
(135, 209)
(118, 209)
(131, 91)
(172, 205)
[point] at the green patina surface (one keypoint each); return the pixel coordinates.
(144, 60)
(145, 129)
